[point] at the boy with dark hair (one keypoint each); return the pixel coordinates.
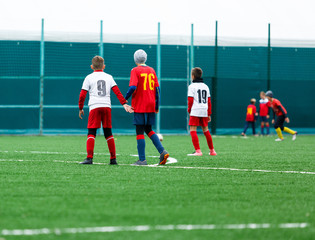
(145, 91)
(250, 117)
(99, 84)
(281, 113)
(263, 113)
(199, 109)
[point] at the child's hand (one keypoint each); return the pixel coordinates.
(273, 121)
(81, 113)
(287, 119)
(209, 119)
(268, 116)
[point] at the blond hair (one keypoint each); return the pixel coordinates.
(98, 63)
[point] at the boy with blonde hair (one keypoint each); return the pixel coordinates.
(99, 84)
(263, 113)
(199, 109)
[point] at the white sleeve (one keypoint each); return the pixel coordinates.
(86, 84)
(190, 91)
(113, 83)
(209, 95)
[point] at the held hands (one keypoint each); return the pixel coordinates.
(81, 113)
(287, 119)
(128, 108)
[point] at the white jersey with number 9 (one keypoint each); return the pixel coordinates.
(99, 85)
(200, 92)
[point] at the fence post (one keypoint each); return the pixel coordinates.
(41, 88)
(101, 41)
(191, 49)
(268, 59)
(214, 84)
(158, 64)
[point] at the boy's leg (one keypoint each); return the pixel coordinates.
(288, 130)
(90, 142)
(268, 128)
(140, 142)
(262, 127)
(245, 128)
(154, 138)
(111, 144)
(208, 136)
(254, 128)
(195, 140)
(279, 126)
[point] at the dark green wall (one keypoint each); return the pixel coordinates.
(242, 74)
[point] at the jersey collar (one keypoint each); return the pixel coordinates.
(98, 70)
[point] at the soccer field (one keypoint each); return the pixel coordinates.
(254, 189)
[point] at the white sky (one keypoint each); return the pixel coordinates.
(237, 18)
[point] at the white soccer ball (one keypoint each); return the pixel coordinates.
(160, 136)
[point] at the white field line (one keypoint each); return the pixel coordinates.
(145, 228)
(56, 153)
(173, 160)
(243, 170)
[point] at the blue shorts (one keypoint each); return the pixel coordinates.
(144, 119)
(263, 119)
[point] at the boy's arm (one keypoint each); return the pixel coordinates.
(209, 107)
(120, 97)
(157, 99)
(130, 91)
(283, 112)
(82, 98)
(190, 103)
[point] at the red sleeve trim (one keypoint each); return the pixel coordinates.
(120, 97)
(82, 98)
(209, 106)
(190, 103)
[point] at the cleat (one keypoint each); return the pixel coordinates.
(279, 139)
(163, 157)
(87, 161)
(294, 136)
(196, 153)
(212, 152)
(113, 162)
(140, 163)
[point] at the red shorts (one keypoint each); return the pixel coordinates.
(100, 115)
(198, 121)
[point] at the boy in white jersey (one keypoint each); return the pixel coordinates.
(199, 109)
(99, 84)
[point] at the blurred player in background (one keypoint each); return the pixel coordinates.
(264, 113)
(250, 117)
(145, 91)
(199, 109)
(281, 114)
(99, 84)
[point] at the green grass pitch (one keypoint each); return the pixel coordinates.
(46, 188)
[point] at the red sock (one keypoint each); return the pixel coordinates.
(209, 139)
(111, 147)
(195, 140)
(90, 145)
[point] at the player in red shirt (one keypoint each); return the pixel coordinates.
(281, 114)
(250, 117)
(264, 113)
(145, 91)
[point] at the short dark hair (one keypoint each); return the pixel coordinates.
(196, 72)
(98, 63)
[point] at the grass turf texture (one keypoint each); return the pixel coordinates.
(42, 193)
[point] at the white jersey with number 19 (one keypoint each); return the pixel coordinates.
(99, 85)
(200, 92)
